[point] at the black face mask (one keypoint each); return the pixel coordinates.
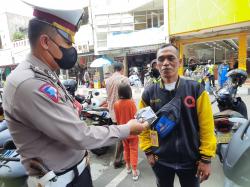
(68, 59)
(155, 73)
(192, 67)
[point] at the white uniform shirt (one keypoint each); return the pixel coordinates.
(44, 123)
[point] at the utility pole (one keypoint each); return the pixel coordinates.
(91, 23)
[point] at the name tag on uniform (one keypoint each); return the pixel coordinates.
(154, 138)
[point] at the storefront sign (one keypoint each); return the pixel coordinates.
(193, 15)
(137, 38)
(143, 49)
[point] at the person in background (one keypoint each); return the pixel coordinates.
(125, 110)
(222, 72)
(86, 78)
(153, 74)
(49, 135)
(187, 149)
(207, 83)
(112, 84)
(192, 64)
(211, 73)
(134, 77)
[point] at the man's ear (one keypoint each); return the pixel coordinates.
(44, 39)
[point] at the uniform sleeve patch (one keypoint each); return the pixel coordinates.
(50, 91)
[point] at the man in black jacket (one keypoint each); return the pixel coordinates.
(187, 149)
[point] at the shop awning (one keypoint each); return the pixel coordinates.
(100, 62)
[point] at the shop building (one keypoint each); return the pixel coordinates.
(128, 31)
(211, 31)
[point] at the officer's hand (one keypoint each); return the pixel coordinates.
(151, 159)
(136, 127)
(203, 171)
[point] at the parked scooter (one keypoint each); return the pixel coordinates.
(233, 111)
(134, 78)
(12, 172)
(71, 86)
(236, 165)
(98, 116)
(92, 110)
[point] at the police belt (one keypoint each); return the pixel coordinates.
(52, 179)
(70, 174)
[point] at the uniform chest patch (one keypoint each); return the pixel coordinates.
(50, 91)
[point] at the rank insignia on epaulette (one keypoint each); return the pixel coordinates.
(50, 91)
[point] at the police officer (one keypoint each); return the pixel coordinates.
(42, 117)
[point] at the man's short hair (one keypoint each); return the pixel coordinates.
(36, 28)
(118, 66)
(169, 45)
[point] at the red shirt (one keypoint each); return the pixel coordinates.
(125, 110)
(112, 91)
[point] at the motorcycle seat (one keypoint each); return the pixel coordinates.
(227, 114)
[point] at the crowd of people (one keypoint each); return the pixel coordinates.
(205, 74)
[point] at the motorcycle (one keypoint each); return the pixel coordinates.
(233, 111)
(12, 172)
(92, 110)
(70, 85)
(134, 79)
(236, 165)
(98, 116)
